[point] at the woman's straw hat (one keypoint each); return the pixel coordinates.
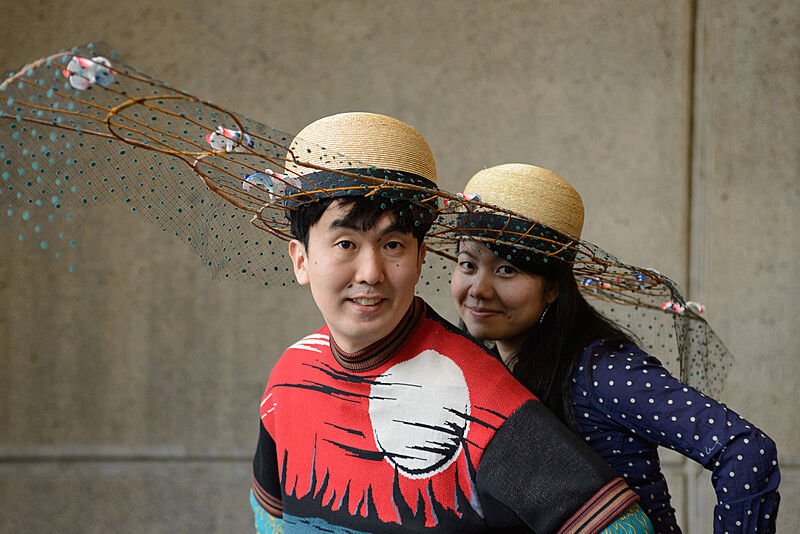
(533, 192)
(540, 215)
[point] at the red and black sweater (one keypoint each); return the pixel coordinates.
(423, 430)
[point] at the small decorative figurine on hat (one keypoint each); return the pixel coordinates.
(264, 180)
(83, 72)
(229, 140)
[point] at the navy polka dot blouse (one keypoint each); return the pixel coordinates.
(627, 404)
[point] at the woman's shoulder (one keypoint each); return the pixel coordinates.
(605, 364)
(608, 352)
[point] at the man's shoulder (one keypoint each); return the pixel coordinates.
(313, 342)
(454, 335)
(311, 346)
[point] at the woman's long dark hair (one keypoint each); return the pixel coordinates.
(545, 361)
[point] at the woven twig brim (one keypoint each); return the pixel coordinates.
(353, 140)
(538, 194)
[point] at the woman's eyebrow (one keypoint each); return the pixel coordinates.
(468, 253)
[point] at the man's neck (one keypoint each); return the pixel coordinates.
(380, 351)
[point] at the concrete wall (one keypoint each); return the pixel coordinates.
(129, 389)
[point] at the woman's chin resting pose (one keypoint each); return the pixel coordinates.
(592, 374)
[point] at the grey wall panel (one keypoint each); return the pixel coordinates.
(747, 193)
(101, 497)
(139, 347)
(748, 109)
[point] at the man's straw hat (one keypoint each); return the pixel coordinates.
(338, 155)
(360, 140)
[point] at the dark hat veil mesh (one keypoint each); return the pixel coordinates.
(80, 129)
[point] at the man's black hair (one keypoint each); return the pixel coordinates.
(364, 212)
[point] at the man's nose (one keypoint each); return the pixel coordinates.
(370, 267)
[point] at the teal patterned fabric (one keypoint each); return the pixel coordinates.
(265, 523)
(632, 521)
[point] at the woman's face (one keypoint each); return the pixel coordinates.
(496, 300)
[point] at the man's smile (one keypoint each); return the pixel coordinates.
(366, 301)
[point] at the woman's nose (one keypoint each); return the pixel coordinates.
(481, 287)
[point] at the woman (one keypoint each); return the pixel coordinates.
(518, 289)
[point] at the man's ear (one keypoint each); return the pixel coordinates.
(299, 261)
(420, 259)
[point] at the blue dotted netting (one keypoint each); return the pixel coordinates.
(142, 144)
(134, 143)
(73, 136)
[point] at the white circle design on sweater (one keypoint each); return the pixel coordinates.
(419, 411)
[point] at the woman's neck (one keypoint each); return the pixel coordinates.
(508, 349)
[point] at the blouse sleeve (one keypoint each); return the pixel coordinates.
(637, 392)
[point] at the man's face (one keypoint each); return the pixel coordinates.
(362, 281)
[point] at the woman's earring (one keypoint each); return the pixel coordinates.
(541, 319)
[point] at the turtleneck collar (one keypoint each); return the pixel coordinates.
(382, 350)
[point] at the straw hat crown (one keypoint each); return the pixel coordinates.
(358, 139)
(533, 192)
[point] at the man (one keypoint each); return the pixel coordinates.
(387, 418)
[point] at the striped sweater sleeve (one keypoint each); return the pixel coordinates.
(265, 487)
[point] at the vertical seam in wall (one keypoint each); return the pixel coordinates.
(698, 153)
(690, 89)
(693, 498)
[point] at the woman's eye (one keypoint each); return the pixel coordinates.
(506, 270)
(466, 266)
(345, 245)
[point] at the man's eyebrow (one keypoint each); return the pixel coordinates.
(351, 225)
(344, 223)
(394, 227)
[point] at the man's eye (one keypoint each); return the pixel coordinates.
(345, 245)
(394, 245)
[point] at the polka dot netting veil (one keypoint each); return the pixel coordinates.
(80, 129)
